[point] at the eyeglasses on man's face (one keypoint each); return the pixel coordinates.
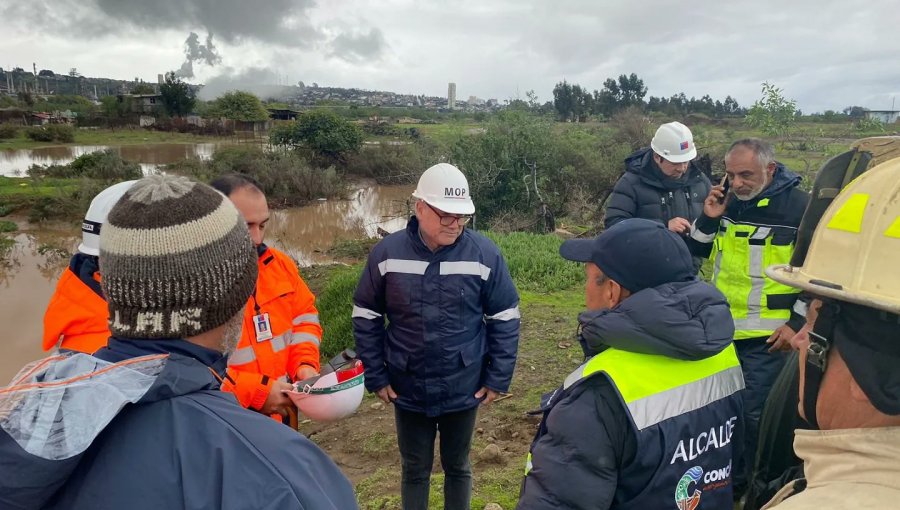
(448, 219)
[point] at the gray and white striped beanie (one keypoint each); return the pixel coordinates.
(176, 260)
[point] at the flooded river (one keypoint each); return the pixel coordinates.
(41, 252)
(14, 163)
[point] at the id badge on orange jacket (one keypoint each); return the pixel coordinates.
(263, 327)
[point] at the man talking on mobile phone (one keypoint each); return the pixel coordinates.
(743, 230)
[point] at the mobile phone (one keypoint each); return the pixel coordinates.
(726, 185)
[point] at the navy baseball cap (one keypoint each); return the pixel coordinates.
(635, 253)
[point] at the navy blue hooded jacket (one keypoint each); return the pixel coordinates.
(644, 191)
(452, 321)
(183, 443)
(588, 453)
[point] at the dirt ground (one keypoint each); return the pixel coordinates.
(365, 445)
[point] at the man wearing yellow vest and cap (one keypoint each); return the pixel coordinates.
(653, 419)
(850, 367)
(743, 230)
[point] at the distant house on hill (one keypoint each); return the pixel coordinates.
(143, 103)
(282, 114)
(884, 116)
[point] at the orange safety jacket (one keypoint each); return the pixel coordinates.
(296, 334)
(76, 318)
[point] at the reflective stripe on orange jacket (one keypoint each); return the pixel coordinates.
(76, 318)
(296, 333)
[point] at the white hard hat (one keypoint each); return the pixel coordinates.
(853, 250)
(96, 216)
(332, 396)
(443, 186)
(674, 142)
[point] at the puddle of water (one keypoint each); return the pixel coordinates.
(27, 280)
(15, 163)
(28, 277)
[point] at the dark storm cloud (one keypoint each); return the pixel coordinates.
(282, 22)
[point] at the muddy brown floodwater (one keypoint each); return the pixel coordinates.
(29, 274)
(150, 156)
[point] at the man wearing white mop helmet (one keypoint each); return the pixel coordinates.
(436, 323)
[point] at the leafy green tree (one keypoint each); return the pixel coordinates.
(773, 113)
(239, 105)
(113, 108)
(143, 88)
(321, 132)
(177, 97)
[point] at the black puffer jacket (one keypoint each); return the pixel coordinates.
(644, 191)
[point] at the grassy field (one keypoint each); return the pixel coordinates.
(134, 136)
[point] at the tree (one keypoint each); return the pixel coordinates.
(177, 97)
(143, 88)
(773, 113)
(239, 105)
(321, 132)
(855, 112)
(113, 108)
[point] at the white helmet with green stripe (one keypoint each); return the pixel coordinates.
(331, 396)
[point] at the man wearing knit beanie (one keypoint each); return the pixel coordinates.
(178, 266)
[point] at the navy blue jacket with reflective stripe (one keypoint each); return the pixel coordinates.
(589, 454)
(452, 321)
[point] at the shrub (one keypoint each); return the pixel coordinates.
(8, 131)
(286, 177)
(322, 134)
(389, 163)
(51, 132)
(105, 165)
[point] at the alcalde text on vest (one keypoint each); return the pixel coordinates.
(696, 446)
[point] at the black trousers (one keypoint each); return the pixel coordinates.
(415, 437)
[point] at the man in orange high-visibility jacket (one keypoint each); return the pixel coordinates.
(281, 331)
(76, 318)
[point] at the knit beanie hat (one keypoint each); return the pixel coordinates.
(176, 260)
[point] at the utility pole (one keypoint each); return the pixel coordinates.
(36, 88)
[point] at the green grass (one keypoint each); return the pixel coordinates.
(445, 132)
(135, 136)
(23, 187)
(534, 262)
(335, 304)
(8, 226)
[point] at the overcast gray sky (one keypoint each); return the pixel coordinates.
(826, 55)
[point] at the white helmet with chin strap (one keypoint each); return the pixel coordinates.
(444, 187)
(336, 393)
(96, 216)
(674, 142)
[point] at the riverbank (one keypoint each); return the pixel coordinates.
(124, 136)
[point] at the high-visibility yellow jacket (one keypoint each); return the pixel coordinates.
(749, 237)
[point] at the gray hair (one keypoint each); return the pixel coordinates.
(762, 150)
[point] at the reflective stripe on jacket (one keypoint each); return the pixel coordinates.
(436, 326)
(749, 237)
(684, 415)
(76, 318)
(296, 333)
